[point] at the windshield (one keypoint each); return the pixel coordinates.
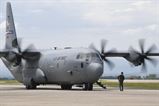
(90, 56)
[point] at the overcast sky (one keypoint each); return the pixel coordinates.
(78, 23)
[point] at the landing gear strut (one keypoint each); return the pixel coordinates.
(101, 85)
(88, 86)
(32, 85)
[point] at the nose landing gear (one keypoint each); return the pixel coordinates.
(101, 85)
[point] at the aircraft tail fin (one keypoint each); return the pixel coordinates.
(11, 39)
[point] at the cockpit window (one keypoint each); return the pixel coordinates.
(87, 56)
(95, 55)
(81, 56)
(78, 56)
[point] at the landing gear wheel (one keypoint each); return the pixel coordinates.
(88, 86)
(33, 85)
(30, 86)
(66, 87)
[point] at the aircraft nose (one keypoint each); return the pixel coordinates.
(95, 70)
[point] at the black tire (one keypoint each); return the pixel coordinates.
(66, 87)
(88, 86)
(27, 87)
(30, 87)
(33, 85)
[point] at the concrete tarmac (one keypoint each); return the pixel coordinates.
(17, 95)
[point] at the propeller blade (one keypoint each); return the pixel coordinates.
(152, 61)
(29, 48)
(144, 66)
(151, 49)
(19, 40)
(31, 55)
(103, 45)
(110, 64)
(131, 49)
(141, 44)
(18, 60)
(93, 47)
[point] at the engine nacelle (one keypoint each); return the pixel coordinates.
(40, 76)
(134, 58)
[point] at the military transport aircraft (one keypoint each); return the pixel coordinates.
(65, 67)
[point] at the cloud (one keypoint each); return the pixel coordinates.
(153, 27)
(2, 26)
(37, 11)
(105, 17)
(124, 10)
(150, 28)
(141, 3)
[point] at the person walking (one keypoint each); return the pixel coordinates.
(121, 79)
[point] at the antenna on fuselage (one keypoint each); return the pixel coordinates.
(55, 48)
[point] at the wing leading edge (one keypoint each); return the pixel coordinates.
(124, 54)
(3, 53)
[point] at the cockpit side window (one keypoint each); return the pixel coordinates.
(78, 56)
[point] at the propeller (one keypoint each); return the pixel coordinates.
(103, 53)
(144, 55)
(30, 53)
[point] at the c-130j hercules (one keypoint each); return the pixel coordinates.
(66, 67)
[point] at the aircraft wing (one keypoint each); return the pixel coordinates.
(134, 57)
(153, 54)
(3, 53)
(124, 54)
(116, 54)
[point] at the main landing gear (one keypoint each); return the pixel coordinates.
(66, 87)
(88, 87)
(32, 85)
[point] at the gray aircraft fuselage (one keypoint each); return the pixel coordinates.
(64, 66)
(71, 66)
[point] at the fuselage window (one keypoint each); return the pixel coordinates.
(78, 56)
(82, 65)
(57, 65)
(88, 57)
(60, 58)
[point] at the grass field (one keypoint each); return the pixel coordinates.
(133, 85)
(8, 82)
(108, 83)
